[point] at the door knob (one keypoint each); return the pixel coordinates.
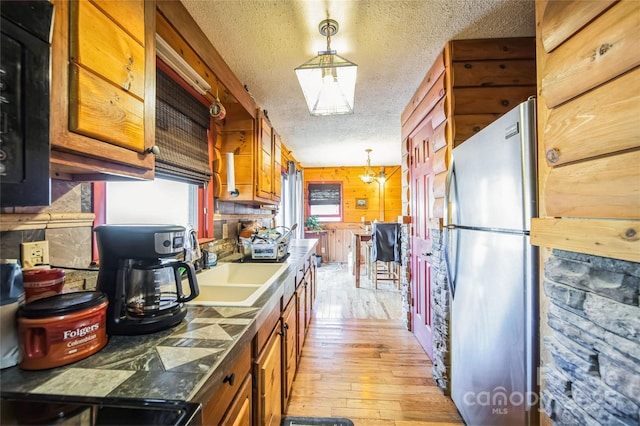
(427, 254)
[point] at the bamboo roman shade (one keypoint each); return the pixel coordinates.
(324, 193)
(182, 123)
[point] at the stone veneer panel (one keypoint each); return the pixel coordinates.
(405, 273)
(594, 316)
(440, 314)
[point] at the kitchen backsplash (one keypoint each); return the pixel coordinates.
(68, 225)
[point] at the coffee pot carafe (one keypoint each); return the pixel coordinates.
(146, 285)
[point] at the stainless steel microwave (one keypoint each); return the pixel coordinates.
(24, 102)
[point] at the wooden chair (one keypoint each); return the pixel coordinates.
(384, 258)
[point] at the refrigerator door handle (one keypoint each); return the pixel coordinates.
(450, 187)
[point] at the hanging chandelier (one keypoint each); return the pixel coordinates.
(369, 175)
(328, 81)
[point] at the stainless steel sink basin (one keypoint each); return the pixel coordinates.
(236, 284)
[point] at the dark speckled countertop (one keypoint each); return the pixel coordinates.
(172, 364)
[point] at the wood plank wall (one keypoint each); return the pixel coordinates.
(384, 202)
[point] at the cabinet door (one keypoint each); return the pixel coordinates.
(239, 413)
(264, 158)
(289, 350)
(277, 167)
(301, 308)
(102, 94)
(269, 381)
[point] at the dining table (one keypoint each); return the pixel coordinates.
(358, 237)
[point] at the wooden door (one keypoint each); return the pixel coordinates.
(421, 171)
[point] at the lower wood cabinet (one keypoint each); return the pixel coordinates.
(218, 410)
(256, 388)
(239, 413)
(301, 307)
(289, 349)
(268, 371)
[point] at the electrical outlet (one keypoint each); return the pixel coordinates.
(34, 253)
(225, 230)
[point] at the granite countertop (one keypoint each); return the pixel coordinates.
(173, 364)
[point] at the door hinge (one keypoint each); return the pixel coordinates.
(412, 301)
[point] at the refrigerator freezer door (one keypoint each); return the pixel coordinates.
(491, 373)
(494, 174)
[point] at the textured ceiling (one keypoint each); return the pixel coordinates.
(394, 43)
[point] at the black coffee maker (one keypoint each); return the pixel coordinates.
(142, 278)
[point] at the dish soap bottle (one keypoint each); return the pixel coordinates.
(213, 257)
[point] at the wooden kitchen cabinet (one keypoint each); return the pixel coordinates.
(229, 400)
(301, 306)
(257, 150)
(103, 90)
(268, 370)
(289, 349)
(269, 158)
(239, 413)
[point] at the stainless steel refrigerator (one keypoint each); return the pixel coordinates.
(493, 272)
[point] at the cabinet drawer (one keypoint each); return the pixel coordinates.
(100, 110)
(120, 61)
(228, 387)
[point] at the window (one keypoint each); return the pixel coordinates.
(325, 201)
(159, 201)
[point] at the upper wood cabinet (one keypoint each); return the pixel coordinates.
(103, 89)
(257, 150)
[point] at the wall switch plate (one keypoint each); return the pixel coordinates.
(225, 230)
(34, 253)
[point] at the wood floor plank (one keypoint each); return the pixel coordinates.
(359, 362)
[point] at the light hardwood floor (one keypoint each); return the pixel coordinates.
(359, 362)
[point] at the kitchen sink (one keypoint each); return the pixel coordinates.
(235, 284)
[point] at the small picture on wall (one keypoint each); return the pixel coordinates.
(361, 203)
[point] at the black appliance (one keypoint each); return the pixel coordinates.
(142, 278)
(39, 409)
(24, 102)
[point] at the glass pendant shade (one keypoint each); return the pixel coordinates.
(369, 175)
(328, 81)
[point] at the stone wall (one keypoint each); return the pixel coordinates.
(405, 273)
(440, 314)
(594, 319)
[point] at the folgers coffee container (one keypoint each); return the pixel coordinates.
(62, 329)
(39, 283)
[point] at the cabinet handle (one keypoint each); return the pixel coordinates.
(231, 379)
(286, 326)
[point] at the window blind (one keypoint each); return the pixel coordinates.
(181, 133)
(324, 193)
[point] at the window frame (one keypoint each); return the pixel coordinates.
(339, 217)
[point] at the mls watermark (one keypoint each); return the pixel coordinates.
(499, 399)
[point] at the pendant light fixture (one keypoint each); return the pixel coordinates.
(369, 175)
(328, 81)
